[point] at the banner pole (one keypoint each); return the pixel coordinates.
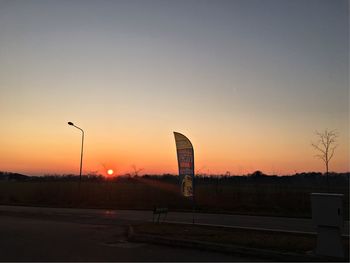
(193, 195)
(193, 207)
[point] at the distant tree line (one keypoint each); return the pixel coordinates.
(171, 178)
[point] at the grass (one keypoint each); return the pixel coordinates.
(255, 198)
(287, 242)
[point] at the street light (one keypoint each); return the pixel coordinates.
(82, 146)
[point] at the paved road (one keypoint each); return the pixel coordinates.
(110, 216)
(33, 239)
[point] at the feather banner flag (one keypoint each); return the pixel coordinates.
(185, 158)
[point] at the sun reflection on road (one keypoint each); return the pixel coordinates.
(109, 212)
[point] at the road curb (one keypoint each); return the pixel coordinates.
(230, 249)
(259, 229)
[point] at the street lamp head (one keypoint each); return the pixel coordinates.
(70, 123)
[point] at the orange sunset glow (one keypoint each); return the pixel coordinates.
(174, 130)
(248, 89)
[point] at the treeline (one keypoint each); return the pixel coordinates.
(257, 176)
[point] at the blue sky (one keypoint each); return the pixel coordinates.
(235, 76)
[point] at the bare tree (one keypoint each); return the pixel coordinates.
(136, 171)
(325, 147)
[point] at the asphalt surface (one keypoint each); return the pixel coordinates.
(65, 234)
(38, 240)
(103, 215)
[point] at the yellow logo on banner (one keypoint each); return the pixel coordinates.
(186, 186)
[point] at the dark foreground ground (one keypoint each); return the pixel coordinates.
(286, 196)
(106, 216)
(35, 239)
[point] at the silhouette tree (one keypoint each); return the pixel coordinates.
(258, 174)
(325, 146)
(136, 171)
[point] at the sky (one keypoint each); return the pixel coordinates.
(247, 81)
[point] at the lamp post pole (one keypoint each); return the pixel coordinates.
(82, 147)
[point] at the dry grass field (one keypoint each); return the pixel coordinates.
(255, 197)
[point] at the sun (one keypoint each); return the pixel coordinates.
(110, 172)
